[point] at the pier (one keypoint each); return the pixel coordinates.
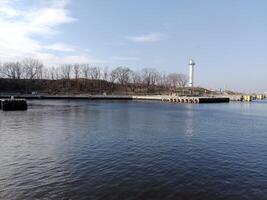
(163, 98)
(20, 99)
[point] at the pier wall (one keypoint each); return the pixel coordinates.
(164, 98)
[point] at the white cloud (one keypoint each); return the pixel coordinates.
(46, 19)
(7, 11)
(151, 37)
(21, 30)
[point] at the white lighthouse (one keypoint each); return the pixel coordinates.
(191, 73)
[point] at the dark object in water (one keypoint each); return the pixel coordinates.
(14, 104)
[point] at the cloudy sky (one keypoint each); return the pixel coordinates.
(227, 39)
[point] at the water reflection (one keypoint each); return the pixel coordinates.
(189, 121)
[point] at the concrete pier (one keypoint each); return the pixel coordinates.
(150, 97)
(236, 98)
(164, 98)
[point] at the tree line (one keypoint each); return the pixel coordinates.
(148, 78)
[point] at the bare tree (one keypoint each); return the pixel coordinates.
(46, 73)
(32, 68)
(149, 76)
(18, 69)
(57, 73)
(53, 73)
(173, 79)
(113, 76)
(85, 71)
(8, 70)
(94, 73)
(183, 80)
(136, 81)
(177, 80)
(136, 78)
(147, 80)
(123, 75)
(165, 81)
(66, 71)
(76, 70)
(11, 70)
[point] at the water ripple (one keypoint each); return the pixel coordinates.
(133, 150)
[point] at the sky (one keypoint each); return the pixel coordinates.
(227, 39)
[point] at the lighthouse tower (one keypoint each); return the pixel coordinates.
(191, 73)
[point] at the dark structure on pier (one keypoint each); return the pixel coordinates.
(13, 104)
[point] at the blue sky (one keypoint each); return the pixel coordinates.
(227, 39)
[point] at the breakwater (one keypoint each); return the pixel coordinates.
(164, 98)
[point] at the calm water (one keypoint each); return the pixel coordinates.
(134, 150)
